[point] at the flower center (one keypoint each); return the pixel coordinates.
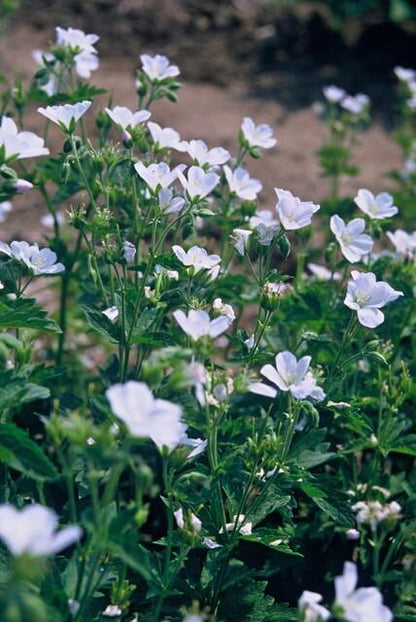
(361, 298)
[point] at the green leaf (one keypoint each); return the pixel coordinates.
(24, 313)
(24, 455)
(18, 391)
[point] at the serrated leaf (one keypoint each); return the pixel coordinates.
(24, 313)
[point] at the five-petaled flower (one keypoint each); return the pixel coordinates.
(359, 605)
(353, 242)
(289, 374)
(33, 531)
(158, 175)
(124, 117)
(196, 257)
(294, 213)
(39, 261)
(67, 115)
(240, 183)
(198, 324)
(200, 153)
(198, 184)
(158, 68)
(20, 144)
(311, 609)
(257, 135)
(377, 207)
(367, 296)
(165, 137)
(146, 416)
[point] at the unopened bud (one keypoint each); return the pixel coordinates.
(22, 186)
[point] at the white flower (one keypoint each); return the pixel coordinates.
(258, 135)
(237, 524)
(76, 39)
(353, 242)
(404, 243)
(43, 261)
(239, 181)
(264, 217)
(169, 203)
(33, 531)
(165, 138)
(47, 220)
(322, 273)
(355, 105)
(291, 375)
(240, 239)
(374, 512)
(294, 213)
(66, 115)
(39, 57)
(112, 611)
(223, 308)
(310, 608)
(333, 93)
(178, 514)
(158, 67)
(367, 296)
(145, 416)
(124, 117)
(158, 175)
(86, 60)
(196, 257)
(376, 207)
(405, 75)
(199, 152)
(249, 343)
(22, 186)
(199, 184)
(5, 208)
(129, 252)
(199, 445)
(360, 605)
(38, 261)
(111, 313)
(20, 144)
(198, 324)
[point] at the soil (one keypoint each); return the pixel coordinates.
(237, 59)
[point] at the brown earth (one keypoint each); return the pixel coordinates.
(213, 113)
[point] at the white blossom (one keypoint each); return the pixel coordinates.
(367, 296)
(5, 208)
(169, 203)
(223, 309)
(196, 257)
(405, 75)
(22, 186)
(353, 242)
(165, 138)
(124, 117)
(39, 57)
(294, 213)
(65, 115)
(355, 104)
(158, 67)
(376, 207)
(33, 531)
(146, 416)
(289, 374)
(258, 135)
(111, 313)
(240, 182)
(240, 239)
(39, 261)
(199, 184)
(359, 605)
(404, 243)
(86, 60)
(129, 251)
(333, 93)
(112, 611)
(264, 217)
(374, 512)
(310, 608)
(199, 152)
(20, 144)
(198, 324)
(322, 273)
(158, 175)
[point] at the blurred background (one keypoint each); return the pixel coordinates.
(267, 59)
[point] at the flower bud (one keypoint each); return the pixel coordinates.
(127, 139)
(271, 294)
(22, 186)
